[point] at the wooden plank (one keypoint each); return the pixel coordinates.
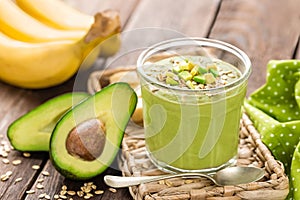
(265, 30)
(156, 20)
(9, 97)
(11, 189)
(54, 182)
(16, 102)
(204, 11)
(190, 18)
(94, 6)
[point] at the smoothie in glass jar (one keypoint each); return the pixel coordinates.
(192, 104)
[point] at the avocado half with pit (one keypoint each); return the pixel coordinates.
(87, 139)
(32, 131)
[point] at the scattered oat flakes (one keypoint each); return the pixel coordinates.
(30, 191)
(18, 180)
(63, 197)
(4, 154)
(94, 187)
(89, 194)
(16, 162)
(9, 173)
(26, 154)
(64, 187)
(41, 196)
(86, 197)
(99, 192)
(90, 183)
(70, 192)
(86, 189)
(39, 186)
(47, 196)
(113, 190)
(3, 142)
(35, 167)
(45, 173)
(5, 161)
(7, 149)
(40, 180)
(4, 177)
(80, 193)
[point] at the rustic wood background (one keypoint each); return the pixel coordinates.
(265, 30)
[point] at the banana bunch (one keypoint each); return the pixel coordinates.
(43, 43)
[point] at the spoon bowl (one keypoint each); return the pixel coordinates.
(227, 176)
(237, 175)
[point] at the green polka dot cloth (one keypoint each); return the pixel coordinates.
(275, 111)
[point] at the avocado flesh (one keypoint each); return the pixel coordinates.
(113, 106)
(32, 131)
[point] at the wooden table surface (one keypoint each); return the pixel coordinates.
(264, 29)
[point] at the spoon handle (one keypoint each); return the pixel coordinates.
(119, 181)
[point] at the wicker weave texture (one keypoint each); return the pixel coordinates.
(252, 152)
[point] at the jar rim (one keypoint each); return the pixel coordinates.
(195, 41)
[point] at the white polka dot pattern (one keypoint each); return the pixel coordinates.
(274, 109)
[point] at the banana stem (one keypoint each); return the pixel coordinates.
(107, 23)
(106, 26)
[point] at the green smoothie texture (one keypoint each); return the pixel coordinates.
(191, 129)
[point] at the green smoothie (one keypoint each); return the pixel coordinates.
(192, 110)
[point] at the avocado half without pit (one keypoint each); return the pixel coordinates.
(87, 138)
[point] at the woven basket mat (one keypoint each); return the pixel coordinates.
(252, 152)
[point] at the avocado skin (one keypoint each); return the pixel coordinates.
(76, 168)
(28, 133)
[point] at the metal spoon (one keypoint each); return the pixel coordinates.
(227, 176)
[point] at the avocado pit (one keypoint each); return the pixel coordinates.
(86, 140)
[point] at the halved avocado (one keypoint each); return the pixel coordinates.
(32, 131)
(86, 140)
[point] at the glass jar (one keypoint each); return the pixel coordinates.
(192, 130)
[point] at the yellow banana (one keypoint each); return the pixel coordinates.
(37, 65)
(46, 64)
(57, 14)
(19, 25)
(60, 15)
(110, 46)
